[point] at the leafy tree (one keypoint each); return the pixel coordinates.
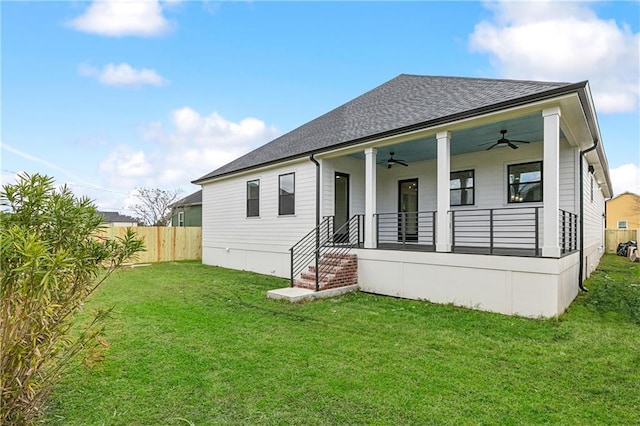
(153, 208)
(52, 259)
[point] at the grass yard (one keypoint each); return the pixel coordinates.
(193, 344)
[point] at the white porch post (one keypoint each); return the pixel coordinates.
(551, 182)
(443, 237)
(370, 198)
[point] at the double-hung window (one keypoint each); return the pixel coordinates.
(181, 218)
(525, 182)
(286, 194)
(461, 186)
(253, 198)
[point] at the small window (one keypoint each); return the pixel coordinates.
(180, 218)
(622, 224)
(525, 182)
(253, 198)
(591, 188)
(286, 195)
(461, 186)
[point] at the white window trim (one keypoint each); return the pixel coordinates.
(626, 224)
(181, 218)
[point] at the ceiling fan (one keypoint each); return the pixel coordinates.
(504, 141)
(391, 161)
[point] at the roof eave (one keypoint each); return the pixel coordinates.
(542, 96)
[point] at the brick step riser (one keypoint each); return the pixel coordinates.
(336, 270)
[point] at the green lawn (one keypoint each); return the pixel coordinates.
(193, 344)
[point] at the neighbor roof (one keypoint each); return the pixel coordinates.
(404, 103)
(115, 217)
(189, 200)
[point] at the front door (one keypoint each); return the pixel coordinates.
(341, 191)
(408, 210)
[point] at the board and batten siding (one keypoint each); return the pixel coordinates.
(593, 222)
(259, 244)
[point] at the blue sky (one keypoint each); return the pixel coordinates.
(109, 96)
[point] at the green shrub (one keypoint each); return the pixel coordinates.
(51, 261)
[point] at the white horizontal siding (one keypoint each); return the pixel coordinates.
(355, 169)
(225, 225)
(593, 222)
(490, 168)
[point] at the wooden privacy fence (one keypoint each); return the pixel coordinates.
(613, 237)
(163, 244)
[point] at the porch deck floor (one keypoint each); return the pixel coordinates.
(497, 251)
(406, 246)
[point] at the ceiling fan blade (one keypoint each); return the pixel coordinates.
(389, 166)
(493, 146)
(402, 163)
(518, 141)
(512, 145)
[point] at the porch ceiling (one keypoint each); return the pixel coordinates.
(528, 128)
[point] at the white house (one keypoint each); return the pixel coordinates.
(478, 192)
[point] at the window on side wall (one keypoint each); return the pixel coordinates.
(180, 218)
(622, 224)
(286, 194)
(461, 186)
(525, 182)
(591, 188)
(253, 198)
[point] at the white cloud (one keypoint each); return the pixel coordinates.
(125, 167)
(117, 18)
(563, 41)
(192, 146)
(625, 178)
(122, 75)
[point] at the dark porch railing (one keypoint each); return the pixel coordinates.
(568, 232)
(406, 230)
(325, 239)
(508, 231)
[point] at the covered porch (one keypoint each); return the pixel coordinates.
(461, 190)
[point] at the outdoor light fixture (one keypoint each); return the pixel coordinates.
(591, 169)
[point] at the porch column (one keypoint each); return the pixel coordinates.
(551, 182)
(370, 198)
(443, 236)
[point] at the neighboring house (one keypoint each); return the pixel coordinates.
(117, 219)
(472, 216)
(187, 211)
(623, 211)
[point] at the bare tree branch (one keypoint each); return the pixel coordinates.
(153, 208)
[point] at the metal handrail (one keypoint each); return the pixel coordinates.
(501, 228)
(324, 240)
(568, 232)
(393, 228)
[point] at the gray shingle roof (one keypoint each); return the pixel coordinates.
(398, 105)
(189, 200)
(115, 217)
